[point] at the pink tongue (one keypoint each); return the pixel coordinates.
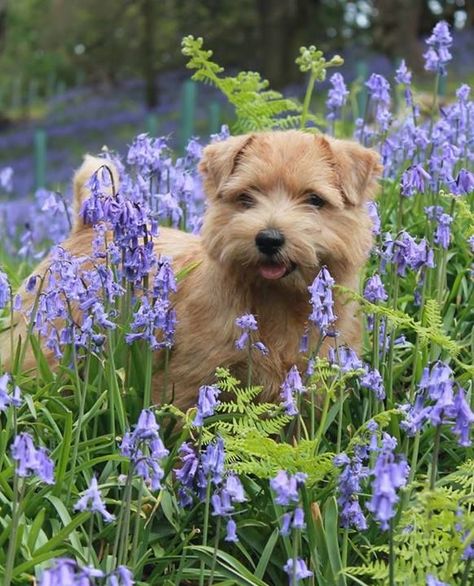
(272, 271)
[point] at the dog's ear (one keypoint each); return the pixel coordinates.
(358, 168)
(220, 159)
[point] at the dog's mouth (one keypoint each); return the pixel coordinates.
(274, 270)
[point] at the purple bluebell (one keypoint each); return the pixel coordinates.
(92, 501)
(4, 290)
(407, 253)
(348, 488)
(443, 233)
(164, 281)
(403, 75)
(322, 301)
(30, 460)
(154, 322)
(298, 569)
(9, 398)
(247, 323)
(379, 88)
(286, 485)
(432, 581)
(463, 418)
(298, 519)
(146, 154)
(439, 43)
(234, 488)
(6, 179)
(345, 357)
(390, 474)
(414, 180)
(186, 474)
(373, 381)
(122, 576)
(291, 385)
(470, 241)
(337, 96)
(213, 461)
(372, 210)
(374, 290)
(207, 403)
(465, 182)
(145, 449)
(231, 532)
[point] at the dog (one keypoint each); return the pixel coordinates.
(280, 205)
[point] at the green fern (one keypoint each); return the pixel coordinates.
(256, 106)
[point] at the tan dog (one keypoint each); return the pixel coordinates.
(280, 206)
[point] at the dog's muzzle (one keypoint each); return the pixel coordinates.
(269, 241)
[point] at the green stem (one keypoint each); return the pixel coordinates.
(214, 555)
(120, 521)
(249, 363)
(17, 494)
(136, 531)
(205, 528)
(465, 575)
(322, 423)
(91, 539)
(391, 556)
(148, 373)
(434, 461)
(307, 100)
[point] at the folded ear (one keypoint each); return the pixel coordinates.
(358, 169)
(220, 159)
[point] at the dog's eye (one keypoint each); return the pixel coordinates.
(315, 200)
(245, 201)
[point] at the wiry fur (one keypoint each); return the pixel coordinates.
(278, 170)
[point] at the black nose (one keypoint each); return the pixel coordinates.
(269, 241)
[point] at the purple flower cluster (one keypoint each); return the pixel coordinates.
(92, 501)
(322, 301)
(145, 449)
(349, 482)
(374, 289)
(414, 180)
(439, 43)
(66, 572)
(207, 402)
(337, 96)
(406, 253)
(247, 323)
(31, 460)
(290, 388)
(390, 474)
(439, 403)
(4, 290)
(379, 93)
(9, 398)
(198, 473)
(286, 487)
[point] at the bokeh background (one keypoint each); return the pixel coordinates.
(77, 75)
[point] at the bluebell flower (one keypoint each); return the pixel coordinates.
(92, 501)
(374, 289)
(207, 403)
(6, 179)
(234, 488)
(12, 397)
(164, 281)
(348, 489)
(432, 581)
(373, 381)
(414, 180)
(346, 358)
(465, 182)
(301, 572)
(290, 386)
(247, 323)
(403, 74)
(186, 474)
(298, 519)
(337, 96)
(322, 301)
(372, 210)
(213, 461)
(463, 418)
(30, 460)
(390, 474)
(4, 290)
(145, 449)
(439, 43)
(122, 576)
(286, 486)
(231, 532)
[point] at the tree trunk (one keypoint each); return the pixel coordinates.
(396, 25)
(149, 52)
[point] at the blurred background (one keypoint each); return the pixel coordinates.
(77, 75)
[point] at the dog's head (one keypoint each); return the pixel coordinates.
(282, 204)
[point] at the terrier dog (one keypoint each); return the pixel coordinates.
(280, 205)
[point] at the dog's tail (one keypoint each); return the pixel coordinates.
(81, 187)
